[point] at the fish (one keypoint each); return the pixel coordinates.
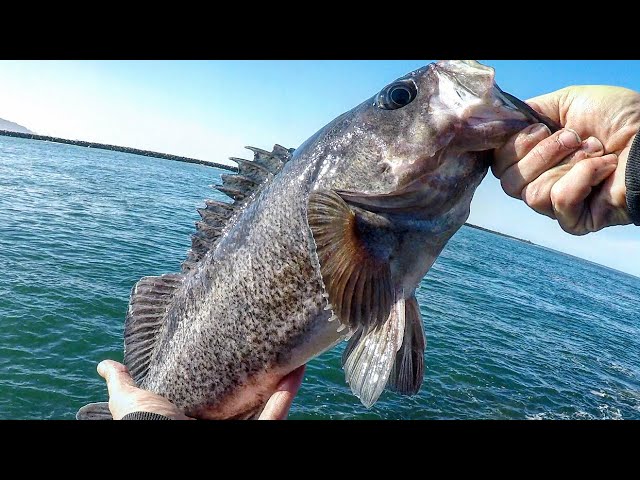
(320, 244)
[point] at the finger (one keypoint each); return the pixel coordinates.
(537, 194)
(116, 375)
(517, 147)
(278, 406)
(569, 193)
(545, 155)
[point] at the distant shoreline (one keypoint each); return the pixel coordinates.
(501, 234)
(102, 146)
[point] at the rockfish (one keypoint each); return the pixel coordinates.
(323, 243)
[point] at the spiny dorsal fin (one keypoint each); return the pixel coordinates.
(235, 193)
(274, 160)
(252, 170)
(220, 207)
(239, 181)
(241, 188)
(150, 298)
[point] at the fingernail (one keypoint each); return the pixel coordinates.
(569, 138)
(536, 130)
(592, 145)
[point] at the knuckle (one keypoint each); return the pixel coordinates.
(537, 196)
(560, 197)
(577, 227)
(541, 155)
(603, 215)
(526, 142)
(510, 187)
(588, 166)
(575, 230)
(534, 197)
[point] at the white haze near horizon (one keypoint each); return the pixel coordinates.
(211, 110)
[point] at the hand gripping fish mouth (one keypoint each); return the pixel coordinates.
(466, 112)
(322, 244)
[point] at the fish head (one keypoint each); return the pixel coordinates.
(433, 128)
(411, 157)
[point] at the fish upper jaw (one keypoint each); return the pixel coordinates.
(488, 124)
(473, 77)
(468, 99)
(495, 107)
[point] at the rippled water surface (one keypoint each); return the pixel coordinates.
(514, 331)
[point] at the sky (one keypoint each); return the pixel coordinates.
(211, 109)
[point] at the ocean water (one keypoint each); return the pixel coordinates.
(514, 331)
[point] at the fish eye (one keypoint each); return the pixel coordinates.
(400, 95)
(397, 95)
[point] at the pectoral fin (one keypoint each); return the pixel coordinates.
(354, 266)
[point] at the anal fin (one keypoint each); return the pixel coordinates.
(370, 355)
(407, 373)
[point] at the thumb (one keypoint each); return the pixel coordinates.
(277, 408)
(116, 375)
(549, 105)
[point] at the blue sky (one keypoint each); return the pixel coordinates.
(212, 109)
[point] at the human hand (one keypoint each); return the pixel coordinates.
(125, 397)
(580, 183)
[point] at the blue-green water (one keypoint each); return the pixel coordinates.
(514, 331)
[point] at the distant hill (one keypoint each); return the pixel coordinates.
(13, 127)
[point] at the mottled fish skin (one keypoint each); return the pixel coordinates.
(256, 306)
(249, 312)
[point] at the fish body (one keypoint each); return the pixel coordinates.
(324, 243)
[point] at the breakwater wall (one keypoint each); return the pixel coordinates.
(134, 151)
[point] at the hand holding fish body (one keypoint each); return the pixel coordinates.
(323, 244)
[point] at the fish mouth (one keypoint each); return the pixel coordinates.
(472, 91)
(497, 108)
(514, 103)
